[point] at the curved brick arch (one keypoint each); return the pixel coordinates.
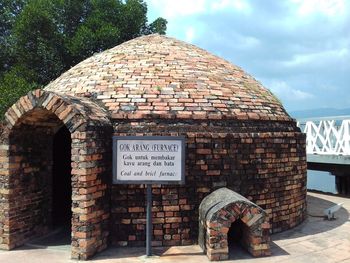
(71, 111)
(25, 151)
(218, 211)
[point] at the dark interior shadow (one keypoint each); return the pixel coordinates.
(60, 234)
(315, 222)
(57, 237)
(236, 251)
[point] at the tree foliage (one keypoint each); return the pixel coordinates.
(40, 39)
(9, 10)
(13, 85)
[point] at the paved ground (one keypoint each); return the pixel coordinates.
(316, 240)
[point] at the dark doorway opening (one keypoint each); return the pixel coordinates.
(234, 239)
(235, 232)
(61, 179)
(60, 194)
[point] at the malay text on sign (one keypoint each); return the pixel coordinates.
(148, 159)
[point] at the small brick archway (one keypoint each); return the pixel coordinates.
(218, 211)
(26, 170)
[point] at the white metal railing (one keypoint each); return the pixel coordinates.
(329, 135)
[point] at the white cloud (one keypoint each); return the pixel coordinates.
(239, 5)
(235, 40)
(329, 8)
(173, 9)
(286, 93)
(177, 8)
(328, 88)
(190, 34)
(314, 58)
(247, 42)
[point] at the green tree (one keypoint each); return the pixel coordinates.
(9, 10)
(158, 25)
(14, 84)
(40, 39)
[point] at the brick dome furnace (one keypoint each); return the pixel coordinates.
(237, 136)
(160, 77)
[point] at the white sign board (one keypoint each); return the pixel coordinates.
(148, 160)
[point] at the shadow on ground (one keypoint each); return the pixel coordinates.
(315, 222)
(139, 252)
(237, 252)
(59, 238)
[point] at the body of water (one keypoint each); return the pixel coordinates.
(321, 181)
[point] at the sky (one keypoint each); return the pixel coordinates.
(299, 49)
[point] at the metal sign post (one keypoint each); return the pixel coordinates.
(148, 160)
(149, 226)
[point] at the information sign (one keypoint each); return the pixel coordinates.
(148, 160)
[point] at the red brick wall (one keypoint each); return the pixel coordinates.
(30, 182)
(268, 168)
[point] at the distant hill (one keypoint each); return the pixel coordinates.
(321, 112)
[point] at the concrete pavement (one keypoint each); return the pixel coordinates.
(316, 240)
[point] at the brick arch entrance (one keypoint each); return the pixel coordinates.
(26, 170)
(218, 211)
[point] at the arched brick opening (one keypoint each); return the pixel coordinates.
(218, 211)
(26, 170)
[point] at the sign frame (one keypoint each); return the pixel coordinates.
(148, 138)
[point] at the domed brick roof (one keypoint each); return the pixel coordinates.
(156, 76)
